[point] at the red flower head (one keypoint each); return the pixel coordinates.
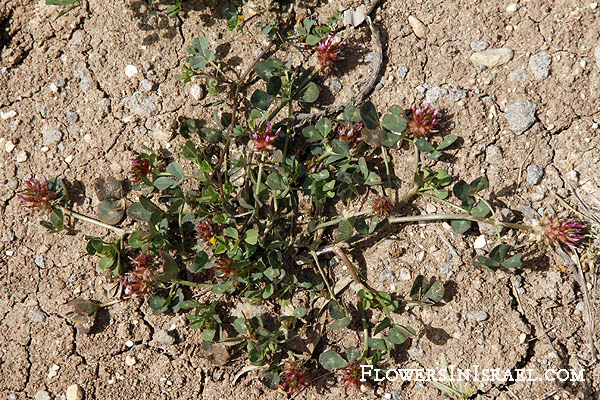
(424, 120)
(350, 133)
(382, 206)
(37, 196)
(294, 378)
(223, 268)
(352, 376)
(328, 52)
(263, 140)
(205, 230)
(139, 281)
(554, 231)
(140, 168)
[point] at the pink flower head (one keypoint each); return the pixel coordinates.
(37, 196)
(350, 133)
(313, 165)
(294, 379)
(554, 231)
(205, 230)
(382, 206)
(263, 140)
(139, 281)
(352, 376)
(424, 120)
(223, 268)
(328, 52)
(140, 168)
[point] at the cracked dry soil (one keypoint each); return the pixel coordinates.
(66, 102)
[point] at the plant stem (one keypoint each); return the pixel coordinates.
(446, 202)
(440, 217)
(259, 178)
(191, 284)
(363, 319)
(82, 217)
(314, 254)
(387, 171)
(337, 220)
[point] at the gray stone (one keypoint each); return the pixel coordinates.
(146, 85)
(402, 71)
(86, 85)
(61, 82)
(597, 55)
(44, 112)
(39, 261)
(42, 395)
(335, 86)
(81, 73)
(217, 374)
(539, 64)
(446, 269)
(456, 94)
(478, 316)
(36, 316)
(387, 276)
(521, 115)
(518, 75)
(403, 274)
(479, 45)
(492, 57)
(434, 94)
(140, 104)
(416, 352)
(51, 136)
(397, 396)
(71, 116)
(161, 336)
(534, 174)
(493, 154)
(454, 316)
(371, 58)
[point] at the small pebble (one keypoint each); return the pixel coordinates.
(129, 343)
(511, 8)
(521, 115)
(402, 71)
(196, 92)
(518, 75)
(478, 316)
(539, 64)
(479, 45)
(42, 395)
(130, 361)
(61, 82)
(580, 307)
(418, 27)
(479, 242)
(53, 371)
(131, 71)
(69, 158)
(493, 154)
(433, 95)
(74, 392)
(39, 261)
(217, 374)
(161, 336)
(53, 87)
(22, 156)
(36, 316)
(146, 85)
(456, 94)
(371, 58)
(534, 174)
(522, 338)
(404, 274)
(7, 114)
(51, 136)
(9, 253)
(335, 86)
(492, 57)
(573, 175)
(594, 5)
(9, 147)
(71, 116)
(44, 112)
(387, 276)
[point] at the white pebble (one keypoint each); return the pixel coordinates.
(74, 392)
(53, 88)
(511, 8)
(130, 361)
(131, 71)
(479, 242)
(129, 343)
(22, 156)
(44, 149)
(9, 146)
(583, 63)
(195, 91)
(87, 138)
(7, 114)
(68, 159)
(593, 5)
(418, 27)
(53, 371)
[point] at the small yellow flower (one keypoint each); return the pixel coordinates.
(213, 240)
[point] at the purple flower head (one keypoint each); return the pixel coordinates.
(205, 230)
(140, 168)
(382, 206)
(313, 165)
(263, 140)
(224, 268)
(139, 281)
(294, 378)
(328, 52)
(424, 120)
(554, 231)
(37, 195)
(352, 376)
(350, 133)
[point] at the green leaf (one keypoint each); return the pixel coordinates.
(170, 267)
(423, 145)
(300, 312)
(137, 239)
(106, 262)
(61, 2)
(231, 232)
(324, 127)
(251, 236)
(460, 225)
(447, 142)
(156, 302)
(461, 190)
(268, 291)
(335, 310)
(176, 170)
(513, 262)
(208, 335)
(274, 85)
(352, 114)
(312, 40)
(136, 210)
(395, 336)
(164, 182)
(331, 360)
(499, 252)
(435, 155)
(345, 226)
(440, 193)
(394, 122)
(308, 94)
(373, 179)
(311, 134)
(377, 344)
(352, 353)
(340, 323)
(481, 209)
(386, 323)
(479, 184)
(390, 139)
(110, 211)
(261, 99)
(369, 115)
